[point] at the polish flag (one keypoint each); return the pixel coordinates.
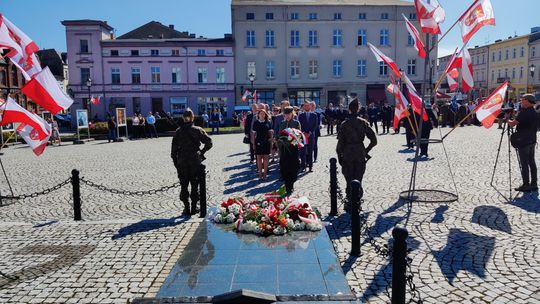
(480, 13)
(28, 46)
(488, 110)
(401, 104)
(467, 80)
(31, 137)
(28, 70)
(451, 71)
(95, 100)
(381, 57)
(416, 101)
(418, 44)
(246, 95)
(430, 15)
(451, 77)
(44, 90)
(13, 112)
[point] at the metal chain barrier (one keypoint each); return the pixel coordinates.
(39, 193)
(128, 192)
(414, 292)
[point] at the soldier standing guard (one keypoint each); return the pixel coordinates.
(187, 158)
(350, 148)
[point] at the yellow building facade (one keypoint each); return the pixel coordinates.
(508, 60)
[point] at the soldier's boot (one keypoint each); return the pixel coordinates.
(186, 208)
(194, 208)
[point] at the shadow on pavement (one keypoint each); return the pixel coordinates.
(529, 202)
(148, 225)
(491, 217)
(439, 214)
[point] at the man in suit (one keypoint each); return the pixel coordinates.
(247, 129)
(308, 122)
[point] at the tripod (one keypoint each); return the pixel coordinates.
(506, 129)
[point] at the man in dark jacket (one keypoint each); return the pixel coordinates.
(387, 115)
(309, 123)
(247, 130)
(373, 113)
(187, 157)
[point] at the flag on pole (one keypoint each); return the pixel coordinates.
(418, 44)
(381, 57)
(430, 15)
(478, 15)
(488, 110)
(95, 100)
(467, 79)
(26, 44)
(247, 93)
(13, 112)
(255, 96)
(31, 137)
(451, 77)
(416, 101)
(44, 90)
(401, 104)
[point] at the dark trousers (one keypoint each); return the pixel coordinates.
(386, 126)
(330, 129)
(528, 164)
(425, 136)
(112, 134)
(353, 170)
(315, 147)
(215, 126)
(153, 131)
(306, 154)
(188, 175)
(374, 122)
(288, 165)
(251, 153)
(409, 137)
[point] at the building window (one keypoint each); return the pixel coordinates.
(176, 75)
(493, 57)
(154, 52)
(514, 53)
(506, 73)
(533, 52)
(361, 39)
(384, 16)
(412, 16)
(134, 52)
(85, 74)
(499, 73)
(220, 75)
(521, 72)
(115, 75)
(337, 16)
(295, 69)
(513, 73)
(270, 69)
(202, 75)
(295, 38)
(136, 101)
(411, 66)
(220, 52)
(500, 55)
(201, 52)
(522, 51)
(269, 16)
(312, 16)
(83, 46)
(492, 75)
(336, 68)
(250, 38)
(410, 40)
(362, 16)
(313, 69)
(114, 52)
(337, 38)
(483, 58)
(175, 52)
(156, 74)
(270, 39)
(294, 16)
(506, 54)
(383, 69)
(361, 67)
(135, 75)
(383, 41)
(313, 40)
(250, 16)
(251, 70)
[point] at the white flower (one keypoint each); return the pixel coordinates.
(290, 223)
(279, 230)
(230, 218)
(235, 209)
(299, 226)
(265, 204)
(221, 210)
(218, 218)
(314, 226)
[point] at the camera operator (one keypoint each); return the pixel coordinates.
(187, 158)
(524, 141)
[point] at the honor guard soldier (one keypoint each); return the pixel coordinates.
(187, 158)
(352, 155)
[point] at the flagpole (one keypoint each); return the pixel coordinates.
(439, 82)
(410, 122)
(7, 140)
(459, 123)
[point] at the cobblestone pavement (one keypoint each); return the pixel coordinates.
(479, 249)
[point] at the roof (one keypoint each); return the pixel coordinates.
(52, 59)
(156, 30)
(321, 2)
(87, 22)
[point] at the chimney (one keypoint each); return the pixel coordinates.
(171, 26)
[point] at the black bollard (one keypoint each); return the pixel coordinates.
(76, 184)
(333, 186)
(355, 218)
(202, 190)
(399, 265)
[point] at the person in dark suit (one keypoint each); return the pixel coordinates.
(247, 130)
(329, 115)
(387, 115)
(317, 130)
(308, 122)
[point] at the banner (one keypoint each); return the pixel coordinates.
(82, 119)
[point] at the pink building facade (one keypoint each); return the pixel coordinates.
(150, 69)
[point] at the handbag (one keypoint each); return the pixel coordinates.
(517, 140)
(246, 140)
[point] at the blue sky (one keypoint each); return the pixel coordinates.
(211, 18)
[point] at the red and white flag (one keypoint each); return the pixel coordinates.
(418, 44)
(480, 13)
(488, 110)
(416, 101)
(430, 15)
(22, 55)
(463, 61)
(29, 70)
(452, 77)
(95, 100)
(31, 137)
(247, 93)
(13, 112)
(381, 57)
(401, 104)
(44, 90)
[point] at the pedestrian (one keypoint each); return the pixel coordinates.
(111, 127)
(387, 116)
(151, 120)
(187, 158)
(205, 119)
(427, 126)
(250, 118)
(409, 127)
(524, 140)
(262, 138)
(216, 121)
(56, 133)
(142, 126)
(135, 124)
(317, 130)
(351, 153)
(329, 117)
(289, 161)
(308, 122)
(373, 113)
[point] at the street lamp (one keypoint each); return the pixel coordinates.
(531, 70)
(251, 78)
(89, 86)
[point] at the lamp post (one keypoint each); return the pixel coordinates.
(251, 78)
(532, 68)
(89, 86)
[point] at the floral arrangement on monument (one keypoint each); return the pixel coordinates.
(272, 214)
(293, 136)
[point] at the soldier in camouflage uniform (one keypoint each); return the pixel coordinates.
(187, 158)
(350, 148)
